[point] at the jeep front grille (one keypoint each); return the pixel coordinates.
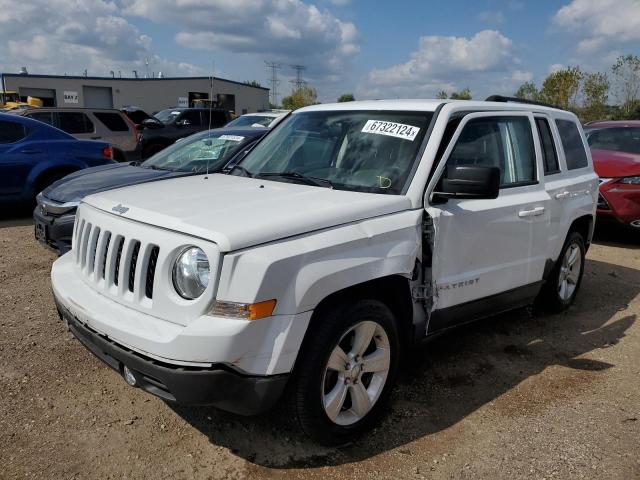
(111, 262)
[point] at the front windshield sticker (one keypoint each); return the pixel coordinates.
(391, 129)
(233, 138)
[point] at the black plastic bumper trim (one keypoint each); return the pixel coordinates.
(219, 386)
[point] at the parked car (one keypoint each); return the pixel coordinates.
(104, 124)
(34, 155)
(259, 119)
(615, 148)
(347, 234)
(209, 151)
(171, 124)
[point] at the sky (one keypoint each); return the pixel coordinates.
(398, 49)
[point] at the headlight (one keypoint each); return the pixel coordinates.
(631, 180)
(191, 273)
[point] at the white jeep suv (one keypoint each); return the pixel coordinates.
(349, 233)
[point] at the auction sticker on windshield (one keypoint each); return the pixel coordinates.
(233, 138)
(391, 129)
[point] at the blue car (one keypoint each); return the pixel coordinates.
(204, 152)
(33, 155)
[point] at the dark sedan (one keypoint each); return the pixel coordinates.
(204, 152)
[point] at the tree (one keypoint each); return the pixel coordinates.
(300, 98)
(528, 91)
(626, 72)
(464, 94)
(595, 93)
(346, 97)
(253, 83)
(561, 88)
(442, 95)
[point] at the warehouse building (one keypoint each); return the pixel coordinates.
(150, 94)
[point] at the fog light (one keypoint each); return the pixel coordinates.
(129, 377)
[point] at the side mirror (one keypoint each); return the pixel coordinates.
(151, 123)
(183, 123)
(471, 182)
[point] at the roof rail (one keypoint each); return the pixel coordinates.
(501, 98)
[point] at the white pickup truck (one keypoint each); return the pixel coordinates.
(347, 234)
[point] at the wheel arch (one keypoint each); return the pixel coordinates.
(584, 226)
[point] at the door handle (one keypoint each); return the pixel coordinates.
(30, 150)
(534, 212)
(562, 195)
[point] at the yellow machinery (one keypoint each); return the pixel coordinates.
(10, 100)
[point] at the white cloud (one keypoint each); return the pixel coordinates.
(600, 23)
(290, 31)
(448, 63)
(554, 67)
(491, 17)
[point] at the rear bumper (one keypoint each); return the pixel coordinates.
(220, 385)
(59, 230)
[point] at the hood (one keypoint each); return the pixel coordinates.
(239, 212)
(610, 164)
(76, 186)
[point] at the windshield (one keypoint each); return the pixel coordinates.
(371, 151)
(249, 120)
(206, 151)
(168, 115)
(623, 139)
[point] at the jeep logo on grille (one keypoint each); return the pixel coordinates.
(120, 209)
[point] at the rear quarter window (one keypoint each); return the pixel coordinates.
(11, 132)
(113, 121)
(572, 144)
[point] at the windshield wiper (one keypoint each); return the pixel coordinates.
(318, 182)
(237, 166)
(154, 167)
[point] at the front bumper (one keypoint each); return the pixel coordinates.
(621, 201)
(219, 385)
(58, 230)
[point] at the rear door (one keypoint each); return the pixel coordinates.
(487, 252)
(77, 124)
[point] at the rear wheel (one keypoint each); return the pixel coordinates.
(345, 376)
(562, 286)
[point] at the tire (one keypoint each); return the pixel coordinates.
(152, 150)
(562, 286)
(360, 396)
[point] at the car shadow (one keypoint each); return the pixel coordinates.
(454, 375)
(613, 234)
(15, 216)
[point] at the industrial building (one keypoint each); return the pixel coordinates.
(150, 94)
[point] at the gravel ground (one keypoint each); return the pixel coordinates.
(517, 396)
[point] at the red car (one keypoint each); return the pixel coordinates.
(615, 148)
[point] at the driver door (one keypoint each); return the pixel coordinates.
(487, 254)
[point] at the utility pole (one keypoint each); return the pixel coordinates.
(274, 67)
(298, 83)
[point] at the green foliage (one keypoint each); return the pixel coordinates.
(301, 97)
(464, 94)
(561, 88)
(528, 91)
(595, 93)
(346, 97)
(253, 83)
(626, 73)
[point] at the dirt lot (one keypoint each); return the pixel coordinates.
(513, 397)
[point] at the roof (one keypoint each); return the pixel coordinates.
(265, 114)
(613, 124)
(128, 79)
(423, 105)
(240, 131)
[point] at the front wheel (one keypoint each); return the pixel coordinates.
(346, 373)
(562, 285)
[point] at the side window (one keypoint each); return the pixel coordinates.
(46, 117)
(549, 155)
(193, 116)
(11, 132)
(75, 122)
(113, 121)
(572, 144)
(503, 142)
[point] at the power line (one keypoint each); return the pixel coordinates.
(274, 67)
(298, 82)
